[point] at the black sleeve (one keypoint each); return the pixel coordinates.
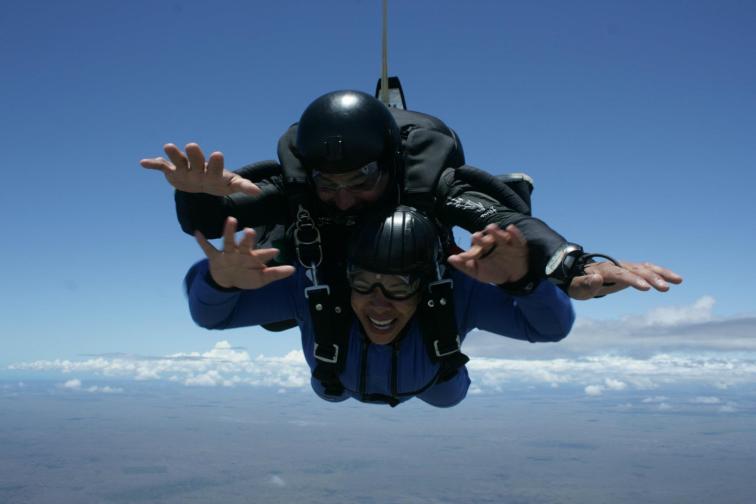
(207, 213)
(459, 205)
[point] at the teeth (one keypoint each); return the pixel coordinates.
(381, 324)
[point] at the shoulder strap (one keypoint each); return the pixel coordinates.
(328, 304)
(439, 326)
(331, 321)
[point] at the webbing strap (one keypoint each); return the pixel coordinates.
(331, 322)
(439, 326)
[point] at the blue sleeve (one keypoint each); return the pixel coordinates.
(449, 393)
(546, 314)
(212, 308)
(320, 391)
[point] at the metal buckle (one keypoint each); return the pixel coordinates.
(316, 287)
(326, 359)
(305, 223)
(444, 354)
(298, 243)
(441, 282)
(299, 229)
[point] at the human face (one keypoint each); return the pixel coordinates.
(383, 318)
(351, 190)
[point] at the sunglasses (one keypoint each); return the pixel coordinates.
(363, 179)
(394, 287)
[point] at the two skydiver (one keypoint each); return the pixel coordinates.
(352, 160)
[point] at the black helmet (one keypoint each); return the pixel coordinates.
(405, 242)
(345, 130)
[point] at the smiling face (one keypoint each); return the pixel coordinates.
(383, 318)
(392, 258)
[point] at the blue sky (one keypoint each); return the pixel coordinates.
(636, 120)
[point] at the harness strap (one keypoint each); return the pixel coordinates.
(331, 321)
(394, 399)
(330, 315)
(439, 327)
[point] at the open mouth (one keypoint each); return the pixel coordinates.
(382, 324)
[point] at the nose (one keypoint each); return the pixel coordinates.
(344, 200)
(377, 298)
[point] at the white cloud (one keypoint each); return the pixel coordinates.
(675, 329)
(594, 390)
(277, 480)
(730, 407)
(698, 312)
(617, 373)
(223, 365)
(666, 347)
(73, 384)
(613, 384)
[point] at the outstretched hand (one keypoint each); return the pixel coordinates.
(241, 265)
(190, 173)
(496, 255)
(604, 278)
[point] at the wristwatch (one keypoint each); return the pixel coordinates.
(562, 266)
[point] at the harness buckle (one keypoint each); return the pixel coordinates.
(325, 358)
(441, 283)
(454, 350)
(316, 289)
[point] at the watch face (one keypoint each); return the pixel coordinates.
(558, 259)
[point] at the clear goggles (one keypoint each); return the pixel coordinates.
(362, 179)
(395, 287)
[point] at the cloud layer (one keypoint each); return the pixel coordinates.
(689, 329)
(666, 347)
(223, 365)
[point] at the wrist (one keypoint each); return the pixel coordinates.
(215, 285)
(523, 286)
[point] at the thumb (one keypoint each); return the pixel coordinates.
(205, 245)
(586, 286)
(461, 263)
(247, 187)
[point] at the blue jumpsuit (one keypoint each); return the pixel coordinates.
(545, 314)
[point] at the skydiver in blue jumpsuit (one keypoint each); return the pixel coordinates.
(393, 263)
